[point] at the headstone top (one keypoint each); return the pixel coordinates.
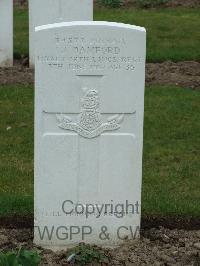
(89, 23)
(105, 56)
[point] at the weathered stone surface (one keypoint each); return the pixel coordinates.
(51, 11)
(6, 33)
(88, 132)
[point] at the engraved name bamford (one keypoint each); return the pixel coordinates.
(78, 53)
(90, 124)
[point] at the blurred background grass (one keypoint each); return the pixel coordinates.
(172, 34)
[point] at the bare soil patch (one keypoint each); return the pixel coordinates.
(181, 74)
(183, 3)
(21, 3)
(169, 4)
(148, 222)
(16, 75)
(158, 247)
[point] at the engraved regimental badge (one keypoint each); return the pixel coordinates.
(90, 124)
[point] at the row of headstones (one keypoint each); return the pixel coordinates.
(40, 13)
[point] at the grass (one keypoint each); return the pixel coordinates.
(172, 34)
(21, 33)
(171, 148)
(16, 142)
(171, 170)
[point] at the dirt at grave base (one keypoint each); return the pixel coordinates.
(156, 247)
(182, 74)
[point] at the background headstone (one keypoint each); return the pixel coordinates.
(6, 33)
(51, 11)
(88, 131)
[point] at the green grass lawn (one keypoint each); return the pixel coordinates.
(171, 148)
(16, 145)
(173, 34)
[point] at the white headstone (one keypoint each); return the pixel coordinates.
(88, 132)
(6, 33)
(51, 11)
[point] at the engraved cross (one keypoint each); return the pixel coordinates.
(89, 127)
